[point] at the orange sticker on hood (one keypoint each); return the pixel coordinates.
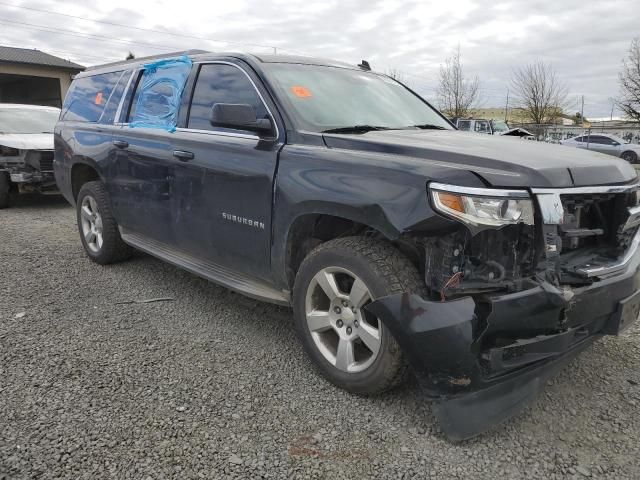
(301, 92)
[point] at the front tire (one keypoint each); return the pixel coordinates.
(349, 346)
(5, 189)
(629, 156)
(98, 229)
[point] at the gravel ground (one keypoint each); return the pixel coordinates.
(215, 385)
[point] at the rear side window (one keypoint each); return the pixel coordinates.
(464, 125)
(110, 110)
(88, 96)
(221, 83)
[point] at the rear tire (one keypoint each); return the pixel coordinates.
(5, 189)
(629, 156)
(359, 270)
(98, 229)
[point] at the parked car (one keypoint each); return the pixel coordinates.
(26, 149)
(605, 143)
(490, 127)
(482, 265)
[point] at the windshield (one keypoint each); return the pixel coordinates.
(327, 98)
(28, 120)
(499, 126)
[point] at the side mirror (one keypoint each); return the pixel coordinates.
(239, 116)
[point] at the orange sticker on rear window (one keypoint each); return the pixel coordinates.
(301, 92)
(98, 99)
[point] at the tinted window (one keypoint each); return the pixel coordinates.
(464, 125)
(108, 116)
(219, 83)
(579, 139)
(601, 140)
(88, 96)
(482, 127)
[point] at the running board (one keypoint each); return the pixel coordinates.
(206, 269)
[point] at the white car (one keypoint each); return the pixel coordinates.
(26, 149)
(606, 143)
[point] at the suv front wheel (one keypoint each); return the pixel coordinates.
(98, 229)
(348, 345)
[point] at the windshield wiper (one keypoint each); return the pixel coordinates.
(355, 129)
(429, 126)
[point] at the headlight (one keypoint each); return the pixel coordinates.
(8, 152)
(483, 206)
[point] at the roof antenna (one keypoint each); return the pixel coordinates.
(364, 65)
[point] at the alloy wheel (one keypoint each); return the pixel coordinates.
(91, 223)
(346, 335)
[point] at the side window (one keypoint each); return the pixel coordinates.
(221, 83)
(598, 140)
(109, 113)
(155, 101)
(604, 140)
(88, 96)
(464, 125)
(482, 127)
(579, 139)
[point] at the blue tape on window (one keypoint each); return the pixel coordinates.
(161, 87)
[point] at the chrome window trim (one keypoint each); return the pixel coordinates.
(586, 190)
(218, 133)
(124, 95)
(484, 192)
(222, 62)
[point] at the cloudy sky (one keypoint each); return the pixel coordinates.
(584, 40)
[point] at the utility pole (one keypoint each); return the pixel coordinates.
(613, 104)
(582, 110)
(506, 107)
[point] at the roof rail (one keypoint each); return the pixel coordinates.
(138, 60)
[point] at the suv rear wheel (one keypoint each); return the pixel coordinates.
(348, 345)
(98, 229)
(5, 189)
(629, 156)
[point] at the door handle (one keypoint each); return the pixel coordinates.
(183, 155)
(121, 143)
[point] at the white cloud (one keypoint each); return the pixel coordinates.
(584, 41)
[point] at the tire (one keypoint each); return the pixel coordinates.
(629, 156)
(381, 270)
(98, 229)
(5, 189)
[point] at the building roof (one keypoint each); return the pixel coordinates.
(35, 57)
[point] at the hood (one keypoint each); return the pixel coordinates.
(501, 161)
(27, 141)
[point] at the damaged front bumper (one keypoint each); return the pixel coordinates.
(483, 358)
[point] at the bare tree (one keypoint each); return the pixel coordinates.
(397, 75)
(456, 94)
(538, 91)
(629, 101)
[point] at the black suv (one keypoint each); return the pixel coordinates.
(480, 264)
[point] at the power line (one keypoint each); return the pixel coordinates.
(66, 52)
(73, 33)
(164, 32)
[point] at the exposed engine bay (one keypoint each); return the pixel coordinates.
(590, 230)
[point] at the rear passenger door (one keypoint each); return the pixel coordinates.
(223, 187)
(140, 171)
